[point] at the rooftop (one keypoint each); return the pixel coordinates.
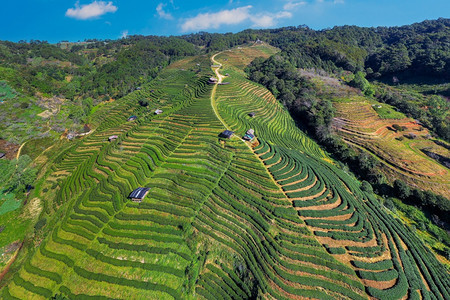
(139, 193)
(248, 137)
(226, 134)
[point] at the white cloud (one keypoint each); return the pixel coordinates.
(291, 5)
(215, 20)
(338, 2)
(268, 20)
(89, 11)
(124, 34)
(263, 21)
(283, 15)
(162, 14)
(232, 17)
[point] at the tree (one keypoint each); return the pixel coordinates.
(143, 102)
(397, 127)
(23, 176)
(361, 83)
(401, 189)
(366, 187)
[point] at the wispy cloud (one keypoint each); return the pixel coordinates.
(215, 20)
(331, 1)
(268, 20)
(90, 11)
(292, 5)
(232, 17)
(162, 14)
(124, 34)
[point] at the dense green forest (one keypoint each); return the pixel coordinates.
(101, 68)
(380, 51)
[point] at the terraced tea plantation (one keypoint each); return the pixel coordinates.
(399, 144)
(224, 218)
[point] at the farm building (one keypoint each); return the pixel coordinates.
(251, 131)
(112, 138)
(212, 80)
(252, 114)
(132, 118)
(248, 137)
(2, 155)
(226, 134)
(158, 111)
(138, 194)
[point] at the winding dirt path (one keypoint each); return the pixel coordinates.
(214, 106)
(20, 149)
(213, 93)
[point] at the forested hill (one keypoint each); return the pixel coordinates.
(100, 69)
(114, 68)
(421, 47)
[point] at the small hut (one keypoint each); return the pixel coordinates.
(252, 114)
(113, 138)
(138, 194)
(212, 80)
(158, 111)
(226, 134)
(2, 155)
(132, 118)
(250, 131)
(248, 137)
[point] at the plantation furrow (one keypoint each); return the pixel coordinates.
(331, 203)
(224, 219)
(88, 229)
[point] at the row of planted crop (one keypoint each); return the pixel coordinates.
(259, 224)
(87, 229)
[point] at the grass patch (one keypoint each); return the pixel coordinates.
(15, 227)
(386, 111)
(6, 92)
(8, 203)
(431, 234)
(35, 147)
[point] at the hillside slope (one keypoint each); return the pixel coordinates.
(224, 218)
(401, 151)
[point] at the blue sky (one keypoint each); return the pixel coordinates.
(56, 20)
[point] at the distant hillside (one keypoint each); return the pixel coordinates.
(421, 48)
